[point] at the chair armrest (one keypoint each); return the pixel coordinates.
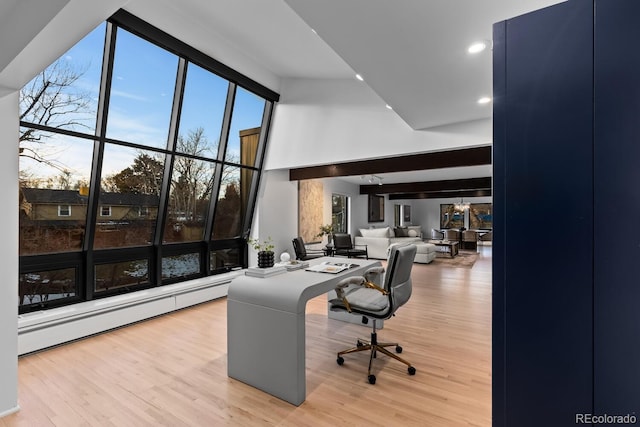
(373, 272)
(345, 283)
(376, 287)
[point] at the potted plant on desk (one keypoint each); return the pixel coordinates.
(266, 257)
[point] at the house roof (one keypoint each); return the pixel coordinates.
(72, 197)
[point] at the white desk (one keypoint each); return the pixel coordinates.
(266, 327)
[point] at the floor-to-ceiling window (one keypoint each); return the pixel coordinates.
(140, 158)
(340, 213)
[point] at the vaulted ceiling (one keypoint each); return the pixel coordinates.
(411, 53)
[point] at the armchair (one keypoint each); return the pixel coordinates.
(359, 295)
(453, 235)
(469, 239)
(342, 245)
(437, 234)
(304, 254)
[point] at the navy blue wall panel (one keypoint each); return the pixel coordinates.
(543, 147)
(499, 159)
(617, 203)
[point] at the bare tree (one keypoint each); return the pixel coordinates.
(194, 179)
(53, 99)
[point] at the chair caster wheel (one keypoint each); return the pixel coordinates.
(359, 344)
(398, 349)
(372, 379)
(340, 360)
(412, 370)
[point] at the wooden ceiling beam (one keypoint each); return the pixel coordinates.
(436, 160)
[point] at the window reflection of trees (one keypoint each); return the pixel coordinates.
(45, 286)
(121, 274)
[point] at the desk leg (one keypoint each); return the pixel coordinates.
(266, 349)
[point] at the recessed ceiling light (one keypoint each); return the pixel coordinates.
(484, 100)
(359, 77)
(389, 107)
(477, 47)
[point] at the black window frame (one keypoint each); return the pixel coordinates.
(85, 260)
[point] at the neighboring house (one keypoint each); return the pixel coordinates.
(43, 204)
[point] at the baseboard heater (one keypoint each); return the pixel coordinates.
(43, 329)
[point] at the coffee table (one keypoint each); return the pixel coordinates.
(447, 246)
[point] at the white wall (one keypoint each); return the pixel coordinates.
(329, 121)
(277, 213)
(9, 254)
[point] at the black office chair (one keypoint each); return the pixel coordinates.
(342, 245)
(304, 254)
(360, 296)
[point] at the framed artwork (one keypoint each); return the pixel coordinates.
(480, 216)
(406, 210)
(450, 217)
(376, 208)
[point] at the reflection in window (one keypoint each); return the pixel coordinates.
(186, 265)
(144, 76)
(244, 132)
(205, 96)
(65, 94)
(225, 260)
(121, 274)
(232, 202)
(43, 286)
(131, 186)
(189, 199)
(53, 197)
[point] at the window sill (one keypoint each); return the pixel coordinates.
(42, 329)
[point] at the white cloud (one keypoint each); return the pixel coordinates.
(128, 95)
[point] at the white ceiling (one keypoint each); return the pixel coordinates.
(411, 53)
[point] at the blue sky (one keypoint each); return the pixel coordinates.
(140, 104)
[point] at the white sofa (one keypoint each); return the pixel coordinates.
(378, 240)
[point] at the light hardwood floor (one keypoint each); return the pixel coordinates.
(171, 370)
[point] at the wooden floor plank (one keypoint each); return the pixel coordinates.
(172, 370)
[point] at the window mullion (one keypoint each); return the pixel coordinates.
(222, 148)
(98, 155)
(156, 267)
(257, 175)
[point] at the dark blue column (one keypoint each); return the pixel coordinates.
(543, 206)
(617, 204)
